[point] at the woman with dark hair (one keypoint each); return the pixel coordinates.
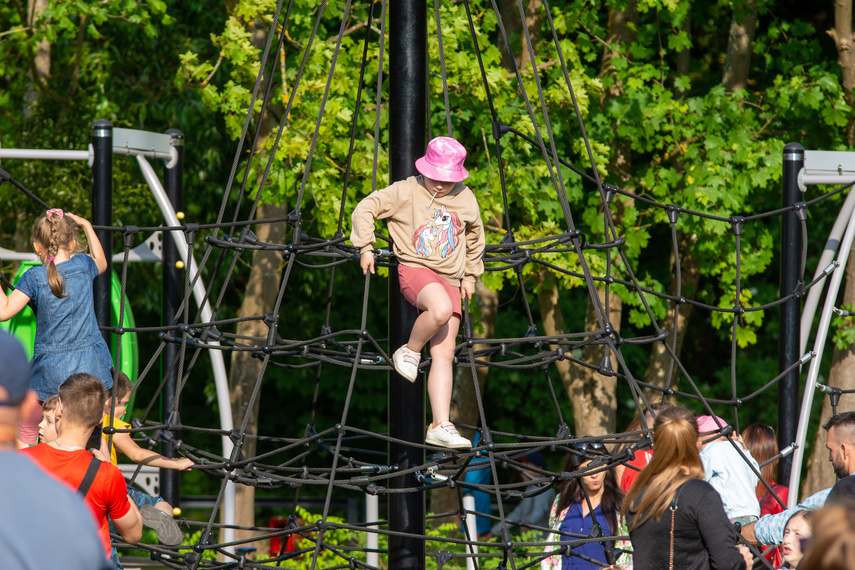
(675, 518)
(582, 502)
(761, 442)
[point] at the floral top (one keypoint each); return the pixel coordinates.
(555, 519)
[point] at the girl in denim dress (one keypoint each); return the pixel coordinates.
(60, 293)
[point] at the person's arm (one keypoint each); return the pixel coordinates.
(11, 304)
(769, 529)
(96, 252)
(130, 525)
(475, 244)
(126, 444)
(378, 205)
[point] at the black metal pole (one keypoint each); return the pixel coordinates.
(407, 141)
(102, 215)
(173, 285)
(789, 327)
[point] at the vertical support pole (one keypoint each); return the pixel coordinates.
(407, 134)
(372, 540)
(102, 215)
(173, 285)
(789, 327)
(472, 527)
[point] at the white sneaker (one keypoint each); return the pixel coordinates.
(446, 435)
(406, 363)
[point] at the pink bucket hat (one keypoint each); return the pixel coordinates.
(707, 424)
(443, 160)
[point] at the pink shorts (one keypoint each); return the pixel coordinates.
(414, 279)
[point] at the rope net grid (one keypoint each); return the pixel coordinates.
(345, 458)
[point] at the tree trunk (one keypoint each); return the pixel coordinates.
(660, 360)
(684, 58)
(842, 35)
(592, 394)
(464, 403)
(820, 474)
(261, 291)
(510, 13)
(739, 45)
(259, 298)
(40, 59)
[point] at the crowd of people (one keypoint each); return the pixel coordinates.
(696, 498)
(53, 407)
(687, 500)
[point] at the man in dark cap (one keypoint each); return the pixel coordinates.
(44, 524)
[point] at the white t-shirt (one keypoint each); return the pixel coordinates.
(734, 480)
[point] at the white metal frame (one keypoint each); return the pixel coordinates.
(822, 168)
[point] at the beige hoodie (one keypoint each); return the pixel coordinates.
(444, 234)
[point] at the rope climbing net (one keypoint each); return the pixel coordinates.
(342, 457)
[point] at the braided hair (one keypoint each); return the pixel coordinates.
(54, 232)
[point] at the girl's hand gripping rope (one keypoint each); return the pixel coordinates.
(366, 262)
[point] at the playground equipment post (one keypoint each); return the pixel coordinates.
(173, 286)
(789, 327)
(102, 215)
(408, 103)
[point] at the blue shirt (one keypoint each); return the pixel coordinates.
(61, 322)
(67, 338)
(575, 523)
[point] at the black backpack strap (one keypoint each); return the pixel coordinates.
(89, 477)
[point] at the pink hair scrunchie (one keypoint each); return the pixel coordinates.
(54, 212)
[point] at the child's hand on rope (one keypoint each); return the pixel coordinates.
(183, 464)
(366, 262)
(467, 289)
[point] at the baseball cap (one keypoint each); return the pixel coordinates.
(14, 369)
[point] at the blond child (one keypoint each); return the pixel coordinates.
(47, 427)
(435, 223)
(67, 339)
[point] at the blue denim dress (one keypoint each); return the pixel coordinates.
(67, 336)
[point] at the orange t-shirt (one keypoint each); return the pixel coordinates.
(108, 495)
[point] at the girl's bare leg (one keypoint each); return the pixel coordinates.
(441, 376)
(436, 310)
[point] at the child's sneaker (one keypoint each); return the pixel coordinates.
(406, 363)
(164, 526)
(446, 435)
